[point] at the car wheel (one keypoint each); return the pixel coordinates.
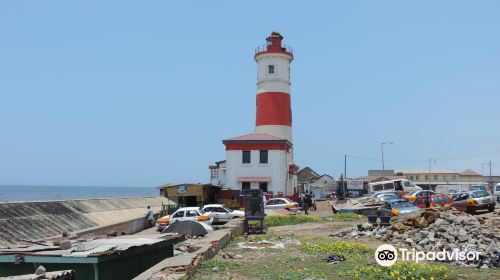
(491, 208)
(471, 210)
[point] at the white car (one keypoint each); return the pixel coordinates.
(496, 192)
(184, 214)
(221, 213)
(276, 203)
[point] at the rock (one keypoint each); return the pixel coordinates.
(40, 271)
(409, 240)
(439, 222)
(484, 266)
(431, 236)
(367, 226)
(65, 245)
(420, 223)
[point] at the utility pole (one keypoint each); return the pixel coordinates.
(345, 176)
(491, 181)
(429, 174)
(382, 150)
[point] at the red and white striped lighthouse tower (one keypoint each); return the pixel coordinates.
(274, 112)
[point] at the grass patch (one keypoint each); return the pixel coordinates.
(284, 220)
(345, 217)
(217, 265)
(401, 270)
(325, 246)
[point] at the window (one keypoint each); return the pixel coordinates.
(214, 173)
(270, 69)
(263, 156)
(435, 177)
(454, 177)
(417, 177)
(220, 210)
(179, 214)
(445, 177)
(246, 157)
(263, 186)
(411, 177)
(426, 177)
(245, 185)
(191, 213)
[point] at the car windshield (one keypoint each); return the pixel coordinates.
(227, 209)
(399, 204)
(200, 212)
(497, 188)
(479, 194)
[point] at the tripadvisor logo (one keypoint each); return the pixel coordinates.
(387, 255)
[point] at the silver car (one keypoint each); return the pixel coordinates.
(473, 200)
(221, 213)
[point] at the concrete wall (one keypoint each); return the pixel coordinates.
(43, 219)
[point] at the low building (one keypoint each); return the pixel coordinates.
(260, 161)
(218, 173)
(321, 186)
(429, 179)
(187, 195)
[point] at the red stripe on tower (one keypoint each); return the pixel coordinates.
(274, 108)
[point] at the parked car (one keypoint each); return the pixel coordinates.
(413, 196)
(496, 192)
(276, 203)
(184, 214)
(400, 206)
(386, 196)
(221, 213)
(474, 200)
(425, 201)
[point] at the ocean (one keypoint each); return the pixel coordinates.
(44, 193)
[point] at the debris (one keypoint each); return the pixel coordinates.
(226, 255)
(334, 258)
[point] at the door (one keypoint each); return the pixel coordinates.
(178, 216)
(221, 214)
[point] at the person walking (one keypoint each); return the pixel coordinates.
(150, 217)
(307, 202)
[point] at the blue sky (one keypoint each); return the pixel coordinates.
(139, 94)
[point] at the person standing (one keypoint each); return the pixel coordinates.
(307, 202)
(150, 217)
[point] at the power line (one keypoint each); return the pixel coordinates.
(478, 156)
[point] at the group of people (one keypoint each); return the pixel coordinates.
(306, 202)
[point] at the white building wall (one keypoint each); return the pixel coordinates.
(276, 169)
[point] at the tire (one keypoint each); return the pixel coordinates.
(491, 208)
(471, 210)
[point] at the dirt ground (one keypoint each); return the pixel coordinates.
(292, 262)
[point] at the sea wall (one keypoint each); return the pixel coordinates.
(20, 221)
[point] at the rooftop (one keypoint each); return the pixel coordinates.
(255, 137)
(470, 172)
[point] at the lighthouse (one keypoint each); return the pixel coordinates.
(274, 112)
(264, 159)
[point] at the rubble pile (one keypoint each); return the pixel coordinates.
(437, 229)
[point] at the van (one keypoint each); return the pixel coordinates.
(392, 186)
(496, 192)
